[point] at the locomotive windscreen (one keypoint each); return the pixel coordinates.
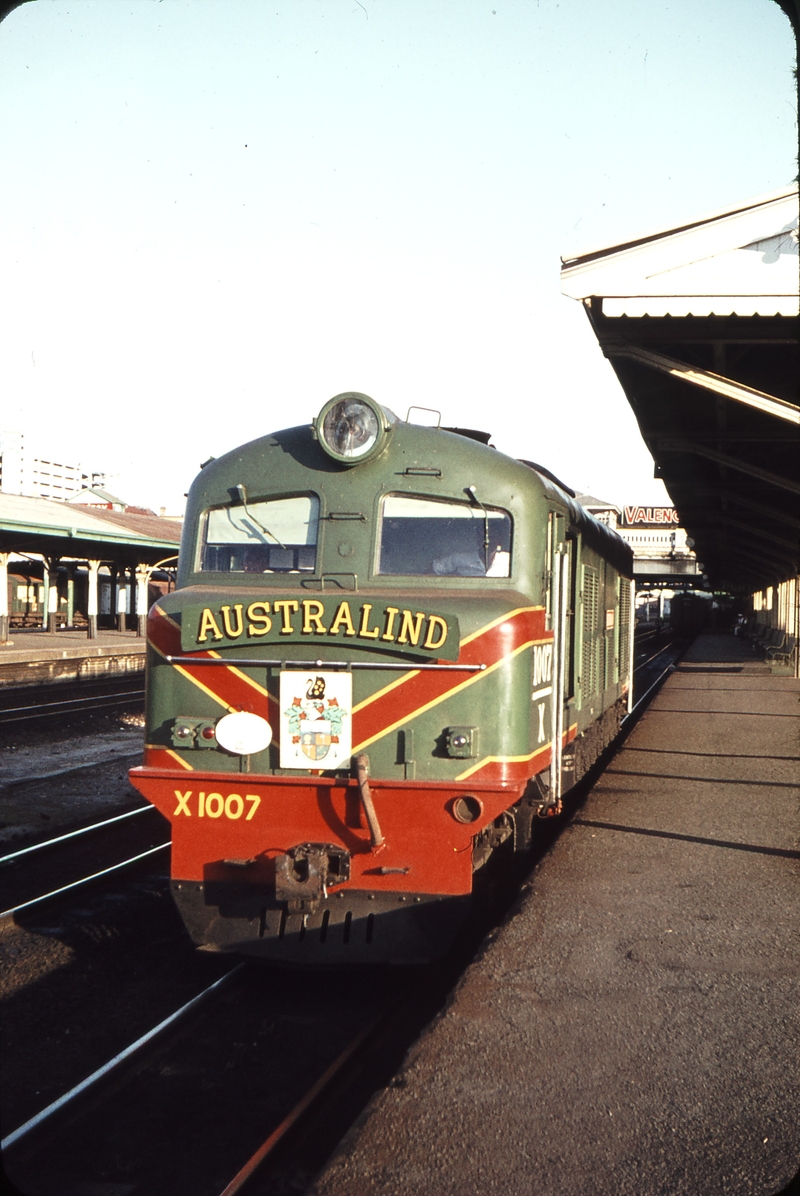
(422, 536)
(275, 536)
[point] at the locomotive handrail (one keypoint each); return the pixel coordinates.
(326, 664)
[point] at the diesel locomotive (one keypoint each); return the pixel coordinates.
(390, 650)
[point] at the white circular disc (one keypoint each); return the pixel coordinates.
(243, 733)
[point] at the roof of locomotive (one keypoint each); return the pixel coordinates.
(301, 444)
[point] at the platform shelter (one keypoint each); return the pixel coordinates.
(79, 550)
(700, 322)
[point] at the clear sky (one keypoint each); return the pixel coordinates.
(216, 214)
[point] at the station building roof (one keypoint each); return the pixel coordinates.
(53, 528)
(96, 496)
(700, 322)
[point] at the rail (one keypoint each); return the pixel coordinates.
(84, 880)
(54, 707)
(83, 830)
(114, 1064)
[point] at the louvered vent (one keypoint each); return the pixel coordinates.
(624, 627)
(591, 598)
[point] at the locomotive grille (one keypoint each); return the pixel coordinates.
(624, 627)
(591, 597)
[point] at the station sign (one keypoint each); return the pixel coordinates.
(649, 517)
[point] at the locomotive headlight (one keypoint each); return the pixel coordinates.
(351, 427)
(243, 734)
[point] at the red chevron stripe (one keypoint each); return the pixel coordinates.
(499, 770)
(398, 704)
(229, 688)
(487, 647)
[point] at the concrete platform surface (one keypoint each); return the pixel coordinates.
(33, 643)
(633, 1027)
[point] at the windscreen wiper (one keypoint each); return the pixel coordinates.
(242, 496)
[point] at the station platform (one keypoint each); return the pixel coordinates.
(632, 1028)
(33, 656)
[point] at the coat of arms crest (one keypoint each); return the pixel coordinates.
(315, 719)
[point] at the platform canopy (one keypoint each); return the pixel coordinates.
(700, 322)
(51, 528)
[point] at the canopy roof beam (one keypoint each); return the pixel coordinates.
(708, 381)
(753, 471)
(700, 497)
(725, 521)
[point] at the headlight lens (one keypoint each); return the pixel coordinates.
(350, 427)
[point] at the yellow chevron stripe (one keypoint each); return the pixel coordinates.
(259, 688)
(159, 747)
(386, 689)
(408, 676)
(462, 776)
(169, 618)
(521, 610)
(514, 759)
(180, 760)
(195, 681)
(220, 701)
(443, 697)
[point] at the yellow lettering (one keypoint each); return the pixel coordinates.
(286, 606)
(256, 800)
(214, 805)
(312, 613)
(201, 805)
(234, 806)
(410, 630)
(391, 613)
(435, 623)
(364, 629)
(254, 617)
(183, 803)
(342, 616)
(208, 623)
(232, 633)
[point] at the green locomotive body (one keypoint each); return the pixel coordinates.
(379, 664)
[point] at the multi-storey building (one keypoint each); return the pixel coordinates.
(23, 473)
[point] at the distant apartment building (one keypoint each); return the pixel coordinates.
(23, 473)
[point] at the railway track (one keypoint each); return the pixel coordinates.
(171, 1088)
(654, 657)
(250, 1085)
(31, 706)
(48, 869)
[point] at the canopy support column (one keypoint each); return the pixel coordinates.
(142, 578)
(4, 596)
(70, 597)
(91, 599)
(51, 593)
(122, 599)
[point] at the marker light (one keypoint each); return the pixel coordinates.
(351, 427)
(243, 734)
